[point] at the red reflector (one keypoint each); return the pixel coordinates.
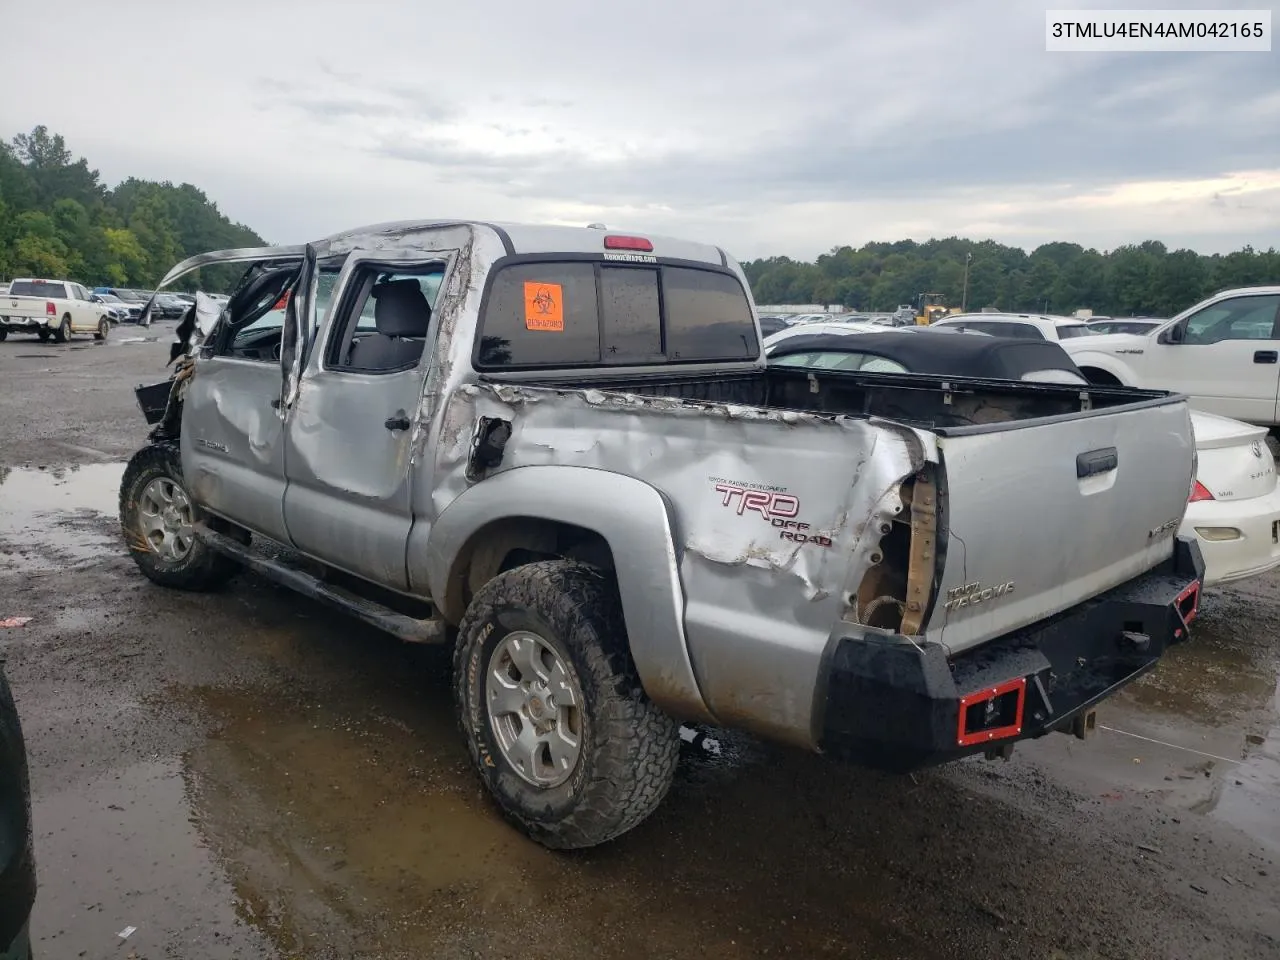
(1199, 492)
(282, 302)
(628, 243)
(1006, 702)
(1188, 602)
(50, 310)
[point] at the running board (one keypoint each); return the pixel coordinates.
(397, 624)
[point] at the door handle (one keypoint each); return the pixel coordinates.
(1096, 461)
(1265, 356)
(397, 423)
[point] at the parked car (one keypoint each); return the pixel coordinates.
(829, 327)
(1130, 325)
(771, 325)
(167, 306)
(1223, 353)
(52, 309)
(1029, 326)
(119, 311)
(17, 856)
(593, 485)
(1234, 508)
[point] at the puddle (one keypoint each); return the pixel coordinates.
(58, 516)
(1202, 731)
(124, 854)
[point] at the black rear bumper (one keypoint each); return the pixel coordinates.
(899, 706)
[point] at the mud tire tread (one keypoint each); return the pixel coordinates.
(203, 568)
(630, 747)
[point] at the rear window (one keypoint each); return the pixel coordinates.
(38, 288)
(1073, 330)
(557, 314)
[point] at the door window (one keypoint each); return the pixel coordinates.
(1239, 318)
(385, 319)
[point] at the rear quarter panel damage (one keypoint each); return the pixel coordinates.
(774, 514)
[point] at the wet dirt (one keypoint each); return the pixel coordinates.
(247, 774)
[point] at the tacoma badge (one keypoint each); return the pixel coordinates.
(975, 593)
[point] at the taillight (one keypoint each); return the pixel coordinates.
(1199, 492)
(50, 310)
(628, 243)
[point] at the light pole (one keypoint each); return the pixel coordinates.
(964, 297)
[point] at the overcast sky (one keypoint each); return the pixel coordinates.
(766, 127)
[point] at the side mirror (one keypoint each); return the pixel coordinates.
(1174, 334)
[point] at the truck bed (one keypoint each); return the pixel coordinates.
(940, 404)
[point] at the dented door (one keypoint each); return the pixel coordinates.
(351, 424)
(232, 436)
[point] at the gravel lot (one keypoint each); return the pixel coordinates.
(247, 774)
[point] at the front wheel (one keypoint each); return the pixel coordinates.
(104, 329)
(64, 330)
(552, 709)
(158, 517)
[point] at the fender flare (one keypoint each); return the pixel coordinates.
(635, 520)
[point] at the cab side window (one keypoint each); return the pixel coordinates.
(385, 316)
(1239, 318)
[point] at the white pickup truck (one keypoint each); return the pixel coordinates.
(1222, 354)
(52, 308)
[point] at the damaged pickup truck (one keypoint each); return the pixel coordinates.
(562, 451)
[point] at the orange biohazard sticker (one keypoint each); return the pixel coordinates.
(543, 306)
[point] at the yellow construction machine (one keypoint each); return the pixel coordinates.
(930, 308)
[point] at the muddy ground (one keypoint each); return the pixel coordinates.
(248, 774)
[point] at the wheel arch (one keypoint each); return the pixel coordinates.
(1108, 370)
(604, 518)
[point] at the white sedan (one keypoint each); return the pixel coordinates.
(1234, 507)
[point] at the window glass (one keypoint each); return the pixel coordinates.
(1068, 330)
(630, 326)
(406, 296)
(1239, 318)
(708, 316)
(37, 288)
(541, 314)
(840, 360)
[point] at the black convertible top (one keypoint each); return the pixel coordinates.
(1001, 358)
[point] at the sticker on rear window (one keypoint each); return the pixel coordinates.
(543, 306)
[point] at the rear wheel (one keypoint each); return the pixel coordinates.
(104, 328)
(64, 330)
(44, 333)
(4, 334)
(158, 517)
(552, 708)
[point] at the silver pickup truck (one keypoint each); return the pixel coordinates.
(561, 451)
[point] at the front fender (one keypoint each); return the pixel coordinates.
(634, 520)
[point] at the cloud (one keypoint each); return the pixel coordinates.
(782, 128)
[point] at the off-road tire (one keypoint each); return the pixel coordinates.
(203, 568)
(63, 333)
(629, 746)
(104, 329)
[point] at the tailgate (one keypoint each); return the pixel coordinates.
(35, 308)
(1042, 515)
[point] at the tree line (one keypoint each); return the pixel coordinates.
(58, 220)
(1146, 279)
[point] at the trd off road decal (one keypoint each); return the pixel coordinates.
(773, 504)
